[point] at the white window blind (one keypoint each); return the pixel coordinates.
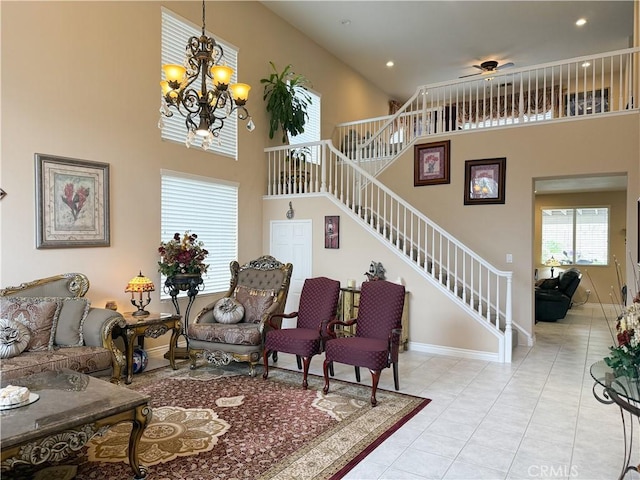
(576, 236)
(175, 33)
(208, 208)
(312, 127)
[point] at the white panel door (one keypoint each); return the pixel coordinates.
(291, 241)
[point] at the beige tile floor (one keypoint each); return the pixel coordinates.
(534, 418)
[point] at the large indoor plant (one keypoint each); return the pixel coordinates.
(287, 98)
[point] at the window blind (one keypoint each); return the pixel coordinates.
(208, 208)
(312, 127)
(576, 235)
(175, 33)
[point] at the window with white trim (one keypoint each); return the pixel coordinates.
(208, 208)
(576, 236)
(312, 126)
(175, 33)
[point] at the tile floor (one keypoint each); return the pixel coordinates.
(534, 418)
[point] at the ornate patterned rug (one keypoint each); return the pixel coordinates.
(214, 423)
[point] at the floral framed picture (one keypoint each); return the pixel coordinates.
(484, 181)
(72, 203)
(431, 163)
(332, 231)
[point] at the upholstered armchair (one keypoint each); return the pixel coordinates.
(234, 327)
(553, 296)
(376, 343)
(318, 305)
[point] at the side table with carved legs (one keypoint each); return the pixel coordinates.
(152, 326)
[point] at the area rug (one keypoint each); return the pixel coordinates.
(214, 423)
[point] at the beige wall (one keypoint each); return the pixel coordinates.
(434, 319)
(80, 80)
(591, 146)
(598, 279)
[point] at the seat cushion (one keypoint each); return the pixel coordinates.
(235, 334)
(298, 341)
(369, 353)
(80, 359)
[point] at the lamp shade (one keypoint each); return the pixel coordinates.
(240, 92)
(221, 75)
(174, 73)
(140, 284)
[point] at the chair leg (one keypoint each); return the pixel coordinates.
(357, 374)
(396, 378)
(265, 362)
(306, 361)
(331, 372)
(299, 362)
(275, 357)
(325, 369)
(375, 377)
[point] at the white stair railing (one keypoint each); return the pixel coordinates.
(581, 87)
(483, 290)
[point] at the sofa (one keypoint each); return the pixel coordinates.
(46, 324)
(553, 296)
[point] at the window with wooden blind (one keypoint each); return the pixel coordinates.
(208, 208)
(175, 33)
(576, 236)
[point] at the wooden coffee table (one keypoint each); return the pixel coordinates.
(72, 408)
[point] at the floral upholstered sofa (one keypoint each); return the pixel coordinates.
(48, 325)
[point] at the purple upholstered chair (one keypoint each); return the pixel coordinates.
(376, 343)
(318, 305)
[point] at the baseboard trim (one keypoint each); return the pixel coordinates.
(454, 352)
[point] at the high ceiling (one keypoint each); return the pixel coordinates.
(434, 41)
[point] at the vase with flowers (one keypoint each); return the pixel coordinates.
(625, 358)
(182, 255)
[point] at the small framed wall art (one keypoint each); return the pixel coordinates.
(332, 231)
(431, 163)
(484, 181)
(72, 203)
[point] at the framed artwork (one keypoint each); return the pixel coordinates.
(587, 103)
(431, 163)
(332, 231)
(484, 181)
(72, 203)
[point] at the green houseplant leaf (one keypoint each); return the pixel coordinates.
(285, 94)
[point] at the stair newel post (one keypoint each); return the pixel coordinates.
(508, 327)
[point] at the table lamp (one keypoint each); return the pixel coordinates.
(552, 262)
(140, 284)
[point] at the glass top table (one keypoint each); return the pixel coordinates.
(623, 391)
(71, 408)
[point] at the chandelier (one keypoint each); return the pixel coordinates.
(205, 106)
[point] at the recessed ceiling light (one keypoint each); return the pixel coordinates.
(390, 63)
(346, 21)
(581, 21)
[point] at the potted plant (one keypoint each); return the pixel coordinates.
(287, 101)
(182, 258)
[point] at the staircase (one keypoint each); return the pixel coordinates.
(348, 174)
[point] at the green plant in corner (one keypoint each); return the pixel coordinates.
(287, 101)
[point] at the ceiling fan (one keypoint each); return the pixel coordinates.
(489, 66)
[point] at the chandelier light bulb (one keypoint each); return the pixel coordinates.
(174, 73)
(240, 92)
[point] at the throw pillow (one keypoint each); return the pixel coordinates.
(38, 314)
(255, 302)
(14, 338)
(70, 321)
(228, 310)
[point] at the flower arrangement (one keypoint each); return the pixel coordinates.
(625, 358)
(182, 255)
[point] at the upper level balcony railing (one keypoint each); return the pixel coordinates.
(581, 87)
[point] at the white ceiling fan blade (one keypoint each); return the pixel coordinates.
(471, 75)
(505, 65)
